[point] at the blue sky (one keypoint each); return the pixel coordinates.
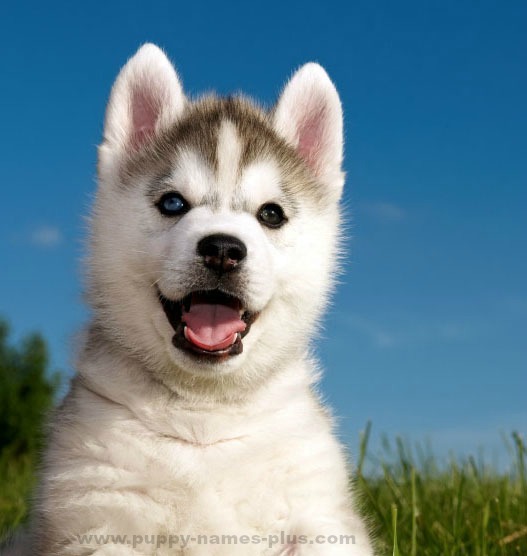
(427, 334)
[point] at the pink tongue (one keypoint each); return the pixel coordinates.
(212, 326)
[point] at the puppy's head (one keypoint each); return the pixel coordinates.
(215, 225)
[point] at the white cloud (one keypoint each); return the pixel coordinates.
(492, 438)
(377, 335)
(46, 236)
(454, 331)
(387, 212)
(516, 304)
(488, 437)
(413, 331)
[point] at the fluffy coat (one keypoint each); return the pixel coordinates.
(154, 442)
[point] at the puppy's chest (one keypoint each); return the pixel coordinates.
(236, 487)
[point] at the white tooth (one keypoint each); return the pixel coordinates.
(185, 333)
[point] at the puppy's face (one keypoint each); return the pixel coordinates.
(214, 230)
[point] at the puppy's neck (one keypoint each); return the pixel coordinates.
(202, 420)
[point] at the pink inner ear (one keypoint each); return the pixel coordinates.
(311, 131)
(145, 112)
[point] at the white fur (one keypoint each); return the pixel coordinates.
(229, 153)
(152, 441)
(309, 117)
(150, 75)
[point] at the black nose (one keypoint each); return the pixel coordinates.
(221, 252)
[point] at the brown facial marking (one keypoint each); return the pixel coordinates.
(198, 129)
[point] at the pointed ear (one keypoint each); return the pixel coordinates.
(146, 96)
(309, 117)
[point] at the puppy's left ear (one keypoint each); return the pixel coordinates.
(309, 117)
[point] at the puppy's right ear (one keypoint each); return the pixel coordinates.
(309, 117)
(146, 97)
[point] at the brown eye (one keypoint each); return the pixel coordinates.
(271, 215)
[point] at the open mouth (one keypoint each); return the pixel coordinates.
(208, 323)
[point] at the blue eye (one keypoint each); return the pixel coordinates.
(172, 204)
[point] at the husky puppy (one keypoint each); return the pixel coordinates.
(193, 426)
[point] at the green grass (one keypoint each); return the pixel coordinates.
(17, 479)
(416, 507)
